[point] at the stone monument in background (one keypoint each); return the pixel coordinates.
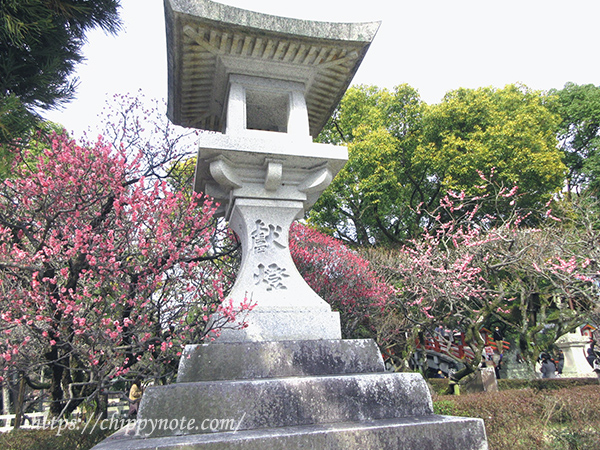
(263, 87)
(574, 346)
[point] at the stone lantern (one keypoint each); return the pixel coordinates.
(263, 180)
(262, 87)
(574, 347)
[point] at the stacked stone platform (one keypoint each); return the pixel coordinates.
(322, 394)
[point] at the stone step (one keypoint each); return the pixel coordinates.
(431, 432)
(271, 403)
(277, 359)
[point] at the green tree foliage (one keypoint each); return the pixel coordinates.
(404, 153)
(372, 199)
(19, 129)
(15, 120)
(579, 109)
(40, 44)
(508, 131)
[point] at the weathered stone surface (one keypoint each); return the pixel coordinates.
(288, 401)
(286, 308)
(488, 379)
(476, 382)
(257, 163)
(422, 433)
(483, 380)
(253, 360)
(266, 326)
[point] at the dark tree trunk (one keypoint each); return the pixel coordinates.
(19, 403)
(56, 390)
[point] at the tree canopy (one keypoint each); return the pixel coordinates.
(510, 131)
(373, 197)
(105, 269)
(579, 134)
(40, 44)
(537, 283)
(404, 154)
(345, 280)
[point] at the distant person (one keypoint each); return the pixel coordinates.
(135, 397)
(561, 362)
(439, 330)
(497, 359)
(548, 368)
(590, 356)
(593, 357)
(591, 353)
(498, 339)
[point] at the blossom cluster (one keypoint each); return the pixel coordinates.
(101, 266)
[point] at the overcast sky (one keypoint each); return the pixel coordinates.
(433, 45)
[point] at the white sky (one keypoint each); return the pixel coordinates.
(433, 45)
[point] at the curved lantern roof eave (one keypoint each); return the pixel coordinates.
(208, 41)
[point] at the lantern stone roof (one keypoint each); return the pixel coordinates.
(208, 41)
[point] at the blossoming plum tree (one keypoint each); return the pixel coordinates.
(344, 279)
(467, 271)
(103, 269)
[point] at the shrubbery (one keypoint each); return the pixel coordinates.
(440, 385)
(545, 419)
(546, 384)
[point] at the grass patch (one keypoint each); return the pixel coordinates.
(49, 440)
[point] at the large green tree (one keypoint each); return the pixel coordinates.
(579, 134)
(510, 132)
(373, 198)
(404, 154)
(40, 44)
